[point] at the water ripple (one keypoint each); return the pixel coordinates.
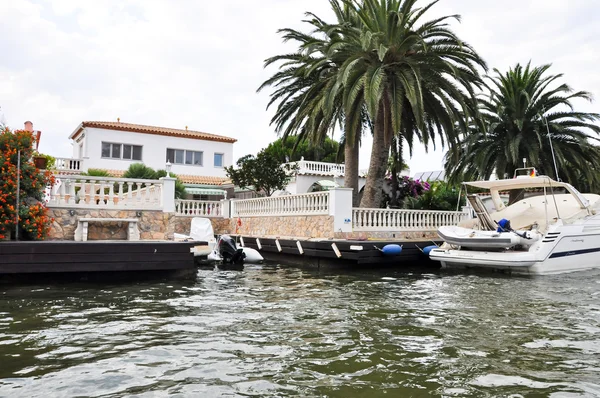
(279, 331)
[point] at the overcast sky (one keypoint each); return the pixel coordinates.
(198, 63)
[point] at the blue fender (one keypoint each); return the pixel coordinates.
(428, 249)
(391, 250)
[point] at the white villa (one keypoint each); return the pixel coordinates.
(196, 157)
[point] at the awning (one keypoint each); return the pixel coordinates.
(206, 191)
(327, 184)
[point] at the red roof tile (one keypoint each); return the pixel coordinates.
(140, 128)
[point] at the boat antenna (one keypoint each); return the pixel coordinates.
(551, 146)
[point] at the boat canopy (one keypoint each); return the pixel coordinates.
(523, 182)
(519, 183)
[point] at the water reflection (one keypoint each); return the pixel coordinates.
(279, 331)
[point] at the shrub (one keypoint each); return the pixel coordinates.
(33, 219)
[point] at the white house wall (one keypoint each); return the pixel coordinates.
(154, 151)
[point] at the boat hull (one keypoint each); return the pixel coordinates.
(567, 249)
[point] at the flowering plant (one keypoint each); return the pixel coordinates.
(405, 188)
(409, 187)
(34, 222)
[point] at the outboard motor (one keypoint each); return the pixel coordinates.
(229, 251)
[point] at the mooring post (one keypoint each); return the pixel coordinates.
(18, 193)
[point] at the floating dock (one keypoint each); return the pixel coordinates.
(64, 257)
(341, 252)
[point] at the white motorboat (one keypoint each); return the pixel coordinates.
(554, 230)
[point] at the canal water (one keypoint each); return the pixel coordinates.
(274, 331)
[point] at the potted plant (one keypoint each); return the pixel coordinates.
(43, 161)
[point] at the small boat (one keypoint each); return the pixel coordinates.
(477, 239)
(556, 229)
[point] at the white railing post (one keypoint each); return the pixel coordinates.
(340, 207)
(167, 201)
(226, 208)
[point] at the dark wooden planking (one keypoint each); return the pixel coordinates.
(141, 266)
(95, 247)
(67, 257)
(110, 257)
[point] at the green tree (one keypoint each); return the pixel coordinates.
(20, 178)
(514, 114)
(263, 172)
(311, 99)
(417, 79)
(439, 196)
(140, 171)
(143, 172)
(96, 173)
(292, 149)
(380, 63)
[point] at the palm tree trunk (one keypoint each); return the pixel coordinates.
(351, 172)
(395, 170)
(373, 193)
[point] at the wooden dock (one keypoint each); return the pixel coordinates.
(63, 257)
(364, 253)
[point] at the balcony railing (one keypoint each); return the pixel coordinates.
(199, 208)
(67, 164)
(104, 192)
(319, 168)
(323, 168)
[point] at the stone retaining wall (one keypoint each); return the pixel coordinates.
(420, 235)
(290, 226)
(153, 225)
(157, 225)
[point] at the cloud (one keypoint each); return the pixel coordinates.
(199, 63)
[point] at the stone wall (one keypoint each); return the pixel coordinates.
(413, 235)
(153, 225)
(290, 226)
(157, 225)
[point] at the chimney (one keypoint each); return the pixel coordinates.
(36, 134)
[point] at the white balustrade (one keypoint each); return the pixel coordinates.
(386, 220)
(105, 193)
(199, 208)
(67, 164)
(319, 168)
(316, 203)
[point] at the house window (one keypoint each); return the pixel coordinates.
(219, 159)
(181, 156)
(121, 151)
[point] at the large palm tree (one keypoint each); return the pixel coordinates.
(416, 78)
(520, 108)
(410, 77)
(309, 95)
